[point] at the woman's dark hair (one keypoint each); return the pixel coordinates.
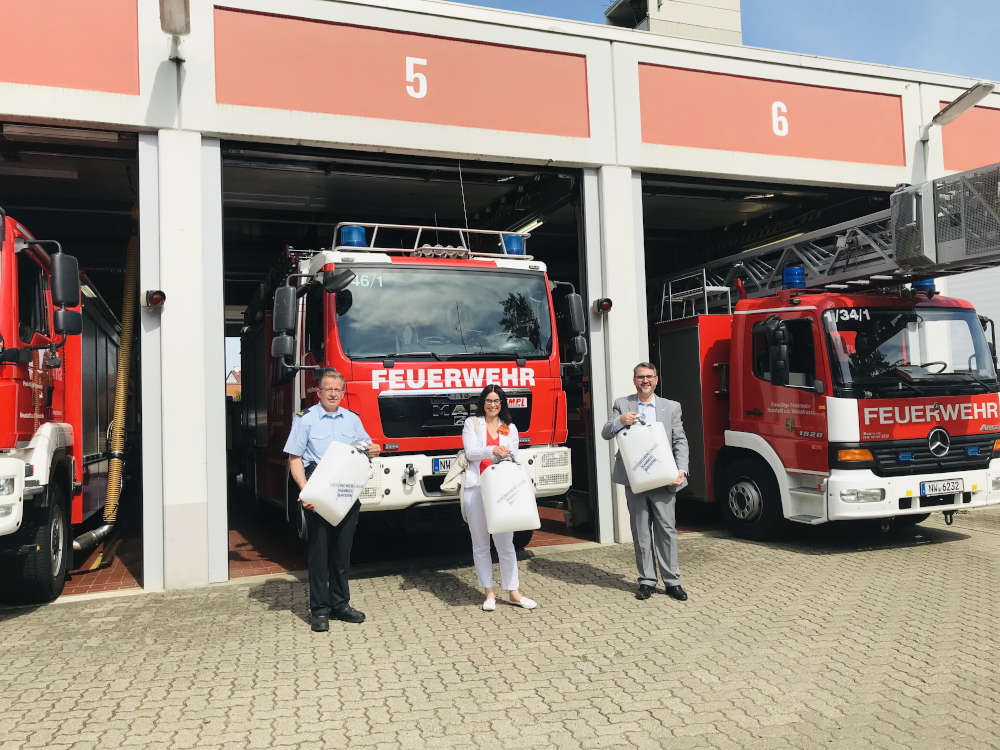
(504, 411)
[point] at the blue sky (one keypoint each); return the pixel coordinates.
(948, 36)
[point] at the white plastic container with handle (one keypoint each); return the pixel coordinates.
(645, 451)
(338, 480)
(508, 498)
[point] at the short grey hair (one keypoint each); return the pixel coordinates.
(645, 365)
(329, 372)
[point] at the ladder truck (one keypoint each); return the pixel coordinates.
(824, 377)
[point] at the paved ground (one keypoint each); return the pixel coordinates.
(834, 638)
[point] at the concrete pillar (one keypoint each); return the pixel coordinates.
(623, 267)
(191, 361)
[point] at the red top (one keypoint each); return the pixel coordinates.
(486, 462)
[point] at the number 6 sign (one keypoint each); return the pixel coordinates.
(779, 123)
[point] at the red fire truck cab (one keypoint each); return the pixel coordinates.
(815, 406)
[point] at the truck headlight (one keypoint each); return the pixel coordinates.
(996, 484)
(6, 510)
(6, 485)
(875, 495)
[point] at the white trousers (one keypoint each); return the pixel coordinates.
(472, 499)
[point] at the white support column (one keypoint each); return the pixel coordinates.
(215, 361)
(602, 493)
(152, 367)
(191, 375)
(624, 269)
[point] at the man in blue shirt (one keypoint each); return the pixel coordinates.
(328, 548)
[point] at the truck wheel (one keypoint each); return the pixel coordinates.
(42, 572)
(522, 538)
(752, 503)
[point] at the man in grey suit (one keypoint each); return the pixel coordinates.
(652, 513)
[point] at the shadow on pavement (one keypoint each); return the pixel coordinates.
(842, 537)
(579, 573)
(447, 587)
(283, 596)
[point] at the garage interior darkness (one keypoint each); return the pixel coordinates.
(80, 187)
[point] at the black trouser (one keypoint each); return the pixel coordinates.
(328, 554)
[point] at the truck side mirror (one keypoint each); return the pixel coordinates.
(335, 281)
(286, 304)
(578, 348)
(67, 322)
(283, 347)
(819, 387)
(65, 280)
(577, 319)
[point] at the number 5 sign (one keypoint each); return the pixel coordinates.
(417, 82)
(332, 68)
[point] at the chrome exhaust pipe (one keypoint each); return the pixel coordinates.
(91, 538)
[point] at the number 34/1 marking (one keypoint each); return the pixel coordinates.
(416, 81)
(779, 120)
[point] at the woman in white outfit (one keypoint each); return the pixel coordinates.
(488, 439)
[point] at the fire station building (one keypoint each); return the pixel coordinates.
(626, 152)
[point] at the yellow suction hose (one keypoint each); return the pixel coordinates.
(117, 464)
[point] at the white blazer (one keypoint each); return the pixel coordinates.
(474, 442)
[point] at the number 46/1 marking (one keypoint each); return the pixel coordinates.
(416, 81)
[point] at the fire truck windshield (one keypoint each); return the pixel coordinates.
(444, 313)
(878, 352)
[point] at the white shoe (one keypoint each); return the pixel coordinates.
(490, 604)
(525, 602)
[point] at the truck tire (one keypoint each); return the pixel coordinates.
(751, 502)
(39, 576)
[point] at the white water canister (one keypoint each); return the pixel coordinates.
(508, 498)
(338, 480)
(648, 458)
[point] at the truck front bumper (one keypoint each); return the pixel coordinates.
(11, 494)
(407, 480)
(902, 495)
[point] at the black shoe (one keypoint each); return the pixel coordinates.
(677, 593)
(645, 591)
(319, 623)
(349, 614)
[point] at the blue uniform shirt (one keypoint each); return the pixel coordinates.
(648, 411)
(313, 432)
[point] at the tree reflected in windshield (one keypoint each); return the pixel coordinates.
(445, 314)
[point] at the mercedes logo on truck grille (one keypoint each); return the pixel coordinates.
(939, 442)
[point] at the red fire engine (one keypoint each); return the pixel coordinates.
(55, 391)
(417, 330)
(839, 385)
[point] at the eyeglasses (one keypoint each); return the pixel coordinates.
(331, 390)
(492, 401)
(645, 377)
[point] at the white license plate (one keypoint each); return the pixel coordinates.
(943, 487)
(441, 465)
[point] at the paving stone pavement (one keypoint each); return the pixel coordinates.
(832, 638)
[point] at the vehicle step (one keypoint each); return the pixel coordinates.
(811, 520)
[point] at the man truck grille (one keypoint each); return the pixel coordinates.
(418, 414)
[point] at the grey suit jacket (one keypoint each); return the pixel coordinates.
(669, 414)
